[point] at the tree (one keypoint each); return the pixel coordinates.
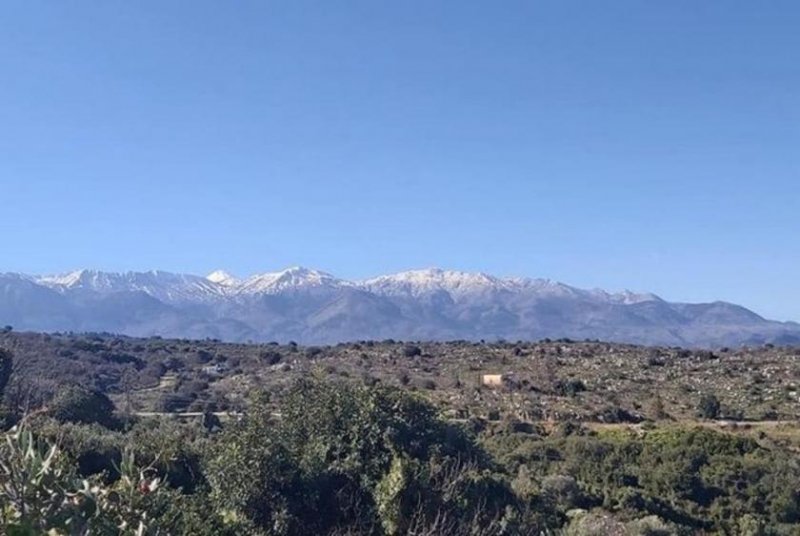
(562, 491)
(354, 457)
(79, 405)
(709, 406)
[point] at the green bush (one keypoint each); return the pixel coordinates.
(694, 478)
(343, 457)
(79, 405)
(709, 407)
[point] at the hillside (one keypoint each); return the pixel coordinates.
(547, 380)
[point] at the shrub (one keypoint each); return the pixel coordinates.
(708, 407)
(79, 405)
(569, 387)
(313, 352)
(345, 456)
(271, 357)
(562, 490)
(411, 351)
(650, 526)
(41, 494)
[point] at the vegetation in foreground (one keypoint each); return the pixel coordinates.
(340, 456)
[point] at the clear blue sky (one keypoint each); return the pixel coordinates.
(639, 144)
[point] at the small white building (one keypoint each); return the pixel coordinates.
(217, 369)
(492, 380)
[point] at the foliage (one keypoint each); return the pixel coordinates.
(79, 405)
(692, 477)
(338, 458)
(42, 493)
(373, 460)
(551, 380)
(709, 407)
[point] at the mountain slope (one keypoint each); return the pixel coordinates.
(311, 306)
(164, 286)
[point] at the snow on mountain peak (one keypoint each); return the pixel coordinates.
(165, 286)
(418, 282)
(458, 284)
(625, 297)
(221, 277)
(77, 279)
(313, 306)
(628, 297)
(290, 278)
(178, 288)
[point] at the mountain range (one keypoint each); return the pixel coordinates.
(315, 307)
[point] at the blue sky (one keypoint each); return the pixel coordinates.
(626, 144)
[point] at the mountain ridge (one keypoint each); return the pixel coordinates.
(314, 306)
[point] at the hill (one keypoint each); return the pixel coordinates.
(542, 381)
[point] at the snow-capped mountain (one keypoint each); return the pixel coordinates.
(457, 284)
(417, 283)
(164, 286)
(291, 279)
(223, 278)
(316, 307)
